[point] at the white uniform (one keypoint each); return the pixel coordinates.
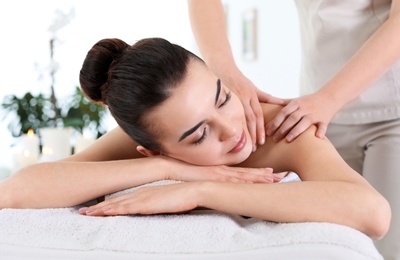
(332, 31)
(366, 131)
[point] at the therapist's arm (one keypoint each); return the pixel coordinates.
(378, 54)
(208, 23)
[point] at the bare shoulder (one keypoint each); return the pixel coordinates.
(310, 157)
(114, 145)
(270, 111)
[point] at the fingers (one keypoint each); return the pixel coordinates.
(255, 121)
(104, 208)
(277, 177)
(259, 119)
(173, 198)
(277, 122)
(267, 98)
(108, 210)
(321, 130)
(293, 127)
(253, 175)
(251, 123)
(131, 203)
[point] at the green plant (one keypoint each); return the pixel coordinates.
(80, 113)
(34, 112)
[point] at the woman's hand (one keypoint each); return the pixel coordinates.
(181, 171)
(172, 198)
(148, 200)
(299, 114)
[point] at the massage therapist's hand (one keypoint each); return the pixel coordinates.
(182, 171)
(173, 198)
(299, 114)
(251, 96)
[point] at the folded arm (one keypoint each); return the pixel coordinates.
(79, 178)
(109, 165)
(330, 191)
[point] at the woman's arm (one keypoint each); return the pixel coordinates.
(101, 168)
(330, 191)
(368, 64)
(110, 164)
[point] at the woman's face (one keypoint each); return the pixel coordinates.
(203, 122)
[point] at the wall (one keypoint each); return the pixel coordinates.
(276, 69)
(25, 45)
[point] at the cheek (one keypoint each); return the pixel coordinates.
(236, 110)
(208, 154)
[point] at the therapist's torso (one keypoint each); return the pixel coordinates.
(332, 31)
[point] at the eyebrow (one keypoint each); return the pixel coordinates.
(193, 129)
(218, 91)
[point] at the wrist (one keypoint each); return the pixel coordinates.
(168, 168)
(160, 167)
(233, 76)
(331, 97)
(225, 68)
(203, 192)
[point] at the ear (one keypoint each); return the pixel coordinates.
(146, 152)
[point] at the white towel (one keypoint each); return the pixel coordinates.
(200, 231)
(203, 231)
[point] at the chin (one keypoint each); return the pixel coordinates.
(241, 156)
(247, 152)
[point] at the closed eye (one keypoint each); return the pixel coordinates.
(202, 138)
(228, 97)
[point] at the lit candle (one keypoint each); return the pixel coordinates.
(55, 143)
(82, 142)
(27, 150)
(47, 154)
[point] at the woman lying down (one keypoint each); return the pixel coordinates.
(177, 121)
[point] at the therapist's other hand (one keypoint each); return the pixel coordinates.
(299, 114)
(251, 96)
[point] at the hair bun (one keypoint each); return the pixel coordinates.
(96, 68)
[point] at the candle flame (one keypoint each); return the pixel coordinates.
(30, 132)
(47, 150)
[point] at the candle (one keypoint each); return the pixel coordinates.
(27, 150)
(82, 142)
(47, 154)
(55, 143)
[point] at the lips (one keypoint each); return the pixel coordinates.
(240, 144)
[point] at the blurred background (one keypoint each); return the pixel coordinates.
(43, 44)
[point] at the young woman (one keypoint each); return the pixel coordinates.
(349, 81)
(187, 126)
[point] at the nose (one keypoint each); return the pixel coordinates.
(227, 129)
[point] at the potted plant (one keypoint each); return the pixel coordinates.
(37, 111)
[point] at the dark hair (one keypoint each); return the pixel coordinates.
(133, 80)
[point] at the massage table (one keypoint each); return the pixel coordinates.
(62, 233)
